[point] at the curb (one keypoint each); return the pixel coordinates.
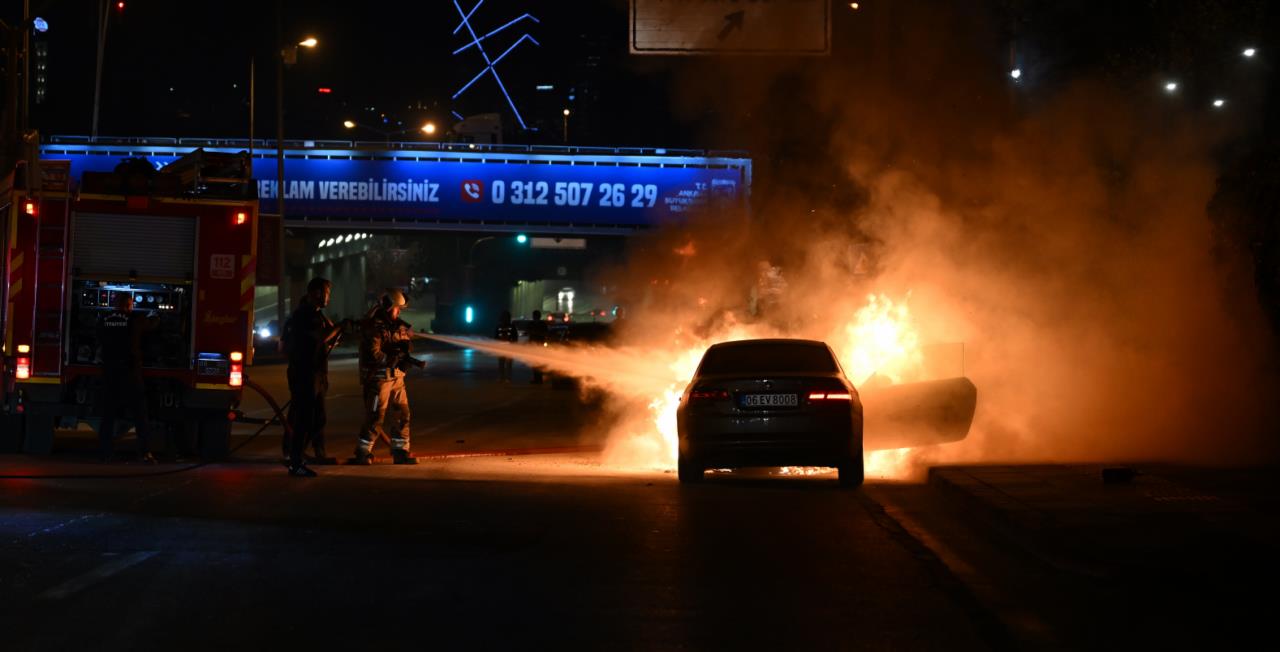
(1028, 528)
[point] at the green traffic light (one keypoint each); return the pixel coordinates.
(522, 238)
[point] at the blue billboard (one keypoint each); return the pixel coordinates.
(471, 187)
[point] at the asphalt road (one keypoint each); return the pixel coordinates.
(468, 552)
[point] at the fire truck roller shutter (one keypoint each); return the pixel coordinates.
(150, 246)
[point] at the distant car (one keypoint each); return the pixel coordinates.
(770, 403)
(266, 339)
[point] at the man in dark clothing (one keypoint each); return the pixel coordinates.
(537, 337)
(120, 335)
(308, 338)
(505, 332)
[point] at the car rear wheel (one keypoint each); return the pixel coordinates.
(689, 471)
(851, 473)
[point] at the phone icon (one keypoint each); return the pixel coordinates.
(472, 191)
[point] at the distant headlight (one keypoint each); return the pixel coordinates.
(264, 332)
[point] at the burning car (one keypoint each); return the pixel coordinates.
(770, 402)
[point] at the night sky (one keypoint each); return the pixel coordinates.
(182, 68)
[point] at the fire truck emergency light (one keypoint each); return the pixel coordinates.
(30, 208)
(241, 217)
(23, 371)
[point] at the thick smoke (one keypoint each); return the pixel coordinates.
(1065, 242)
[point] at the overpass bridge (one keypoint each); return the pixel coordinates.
(458, 186)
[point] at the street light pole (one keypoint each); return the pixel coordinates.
(282, 308)
(97, 83)
(471, 267)
(253, 86)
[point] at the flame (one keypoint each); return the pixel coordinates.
(882, 340)
(893, 464)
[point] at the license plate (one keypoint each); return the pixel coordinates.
(770, 400)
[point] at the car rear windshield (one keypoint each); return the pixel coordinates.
(768, 358)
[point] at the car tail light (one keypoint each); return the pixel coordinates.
(708, 395)
(830, 396)
(23, 370)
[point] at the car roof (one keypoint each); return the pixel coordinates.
(778, 340)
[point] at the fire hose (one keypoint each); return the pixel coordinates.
(277, 417)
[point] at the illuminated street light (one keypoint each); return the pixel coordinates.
(1249, 52)
(348, 124)
(1217, 103)
(429, 128)
(1171, 87)
(308, 42)
(1016, 73)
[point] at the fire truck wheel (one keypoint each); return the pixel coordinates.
(215, 438)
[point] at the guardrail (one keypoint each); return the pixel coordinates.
(264, 145)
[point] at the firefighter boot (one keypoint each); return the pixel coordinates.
(362, 459)
(403, 457)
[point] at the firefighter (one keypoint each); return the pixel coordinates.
(308, 337)
(505, 332)
(385, 349)
(120, 333)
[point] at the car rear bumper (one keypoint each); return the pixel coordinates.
(798, 451)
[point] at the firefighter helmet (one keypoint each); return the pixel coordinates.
(393, 297)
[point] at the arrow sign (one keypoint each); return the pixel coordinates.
(732, 21)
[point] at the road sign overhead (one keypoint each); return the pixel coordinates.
(730, 27)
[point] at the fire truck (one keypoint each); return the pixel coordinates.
(182, 240)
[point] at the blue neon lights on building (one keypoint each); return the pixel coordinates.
(470, 187)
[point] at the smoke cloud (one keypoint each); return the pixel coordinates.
(1065, 242)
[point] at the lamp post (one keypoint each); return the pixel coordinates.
(288, 55)
(566, 126)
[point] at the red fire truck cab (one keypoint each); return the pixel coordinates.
(183, 242)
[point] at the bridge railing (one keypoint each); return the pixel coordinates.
(265, 145)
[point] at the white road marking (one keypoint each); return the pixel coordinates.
(82, 582)
(55, 528)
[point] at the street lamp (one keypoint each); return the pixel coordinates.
(1171, 87)
(566, 126)
(428, 129)
(1249, 52)
(288, 55)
